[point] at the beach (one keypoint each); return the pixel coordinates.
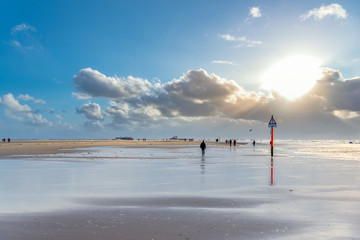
(111, 189)
(27, 147)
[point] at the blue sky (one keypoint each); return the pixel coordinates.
(154, 69)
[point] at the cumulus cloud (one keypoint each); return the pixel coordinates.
(339, 93)
(132, 117)
(195, 94)
(242, 40)
(10, 102)
(334, 10)
(38, 120)
(95, 84)
(23, 113)
(92, 111)
(26, 97)
(255, 12)
(202, 88)
(198, 95)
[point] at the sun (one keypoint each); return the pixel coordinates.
(293, 76)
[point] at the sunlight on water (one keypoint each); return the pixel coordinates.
(305, 180)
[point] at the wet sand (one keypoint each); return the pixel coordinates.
(27, 147)
(144, 222)
(161, 192)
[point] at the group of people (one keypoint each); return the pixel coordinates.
(4, 140)
(231, 142)
(203, 144)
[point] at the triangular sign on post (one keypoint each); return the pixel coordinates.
(272, 122)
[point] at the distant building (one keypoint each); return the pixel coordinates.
(124, 138)
(176, 138)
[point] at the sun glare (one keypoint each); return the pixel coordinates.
(293, 76)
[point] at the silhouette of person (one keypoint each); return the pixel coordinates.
(203, 147)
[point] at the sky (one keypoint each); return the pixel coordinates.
(193, 69)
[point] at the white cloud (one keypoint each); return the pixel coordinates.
(345, 114)
(223, 62)
(15, 43)
(40, 101)
(242, 40)
(50, 110)
(24, 27)
(37, 119)
(22, 112)
(59, 117)
(255, 12)
(228, 37)
(25, 37)
(9, 113)
(62, 124)
(93, 125)
(335, 10)
(95, 84)
(81, 96)
(10, 102)
(26, 97)
(92, 111)
(197, 96)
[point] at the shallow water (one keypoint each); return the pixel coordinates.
(53, 181)
(315, 183)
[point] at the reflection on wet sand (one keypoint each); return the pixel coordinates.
(272, 171)
(158, 193)
(202, 165)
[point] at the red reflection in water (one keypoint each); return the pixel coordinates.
(272, 171)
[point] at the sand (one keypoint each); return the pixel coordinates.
(135, 191)
(26, 147)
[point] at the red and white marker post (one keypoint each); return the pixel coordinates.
(272, 124)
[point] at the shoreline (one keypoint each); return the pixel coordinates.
(33, 147)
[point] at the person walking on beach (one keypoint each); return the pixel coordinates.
(234, 142)
(203, 147)
(230, 142)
